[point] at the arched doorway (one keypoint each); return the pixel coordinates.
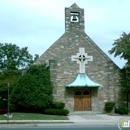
(82, 100)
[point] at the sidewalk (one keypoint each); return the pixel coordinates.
(75, 118)
(79, 118)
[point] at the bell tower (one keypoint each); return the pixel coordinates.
(74, 19)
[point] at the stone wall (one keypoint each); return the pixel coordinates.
(101, 70)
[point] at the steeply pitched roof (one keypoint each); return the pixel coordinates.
(87, 39)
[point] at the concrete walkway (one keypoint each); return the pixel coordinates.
(75, 118)
(82, 118)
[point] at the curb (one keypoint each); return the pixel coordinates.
(55, 124)
(36, 123)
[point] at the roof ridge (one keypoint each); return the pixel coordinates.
(74, 5)
(99, 49)
(64, 49)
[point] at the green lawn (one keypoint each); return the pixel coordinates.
(32, 116)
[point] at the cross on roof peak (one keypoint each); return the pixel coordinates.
(82, 58)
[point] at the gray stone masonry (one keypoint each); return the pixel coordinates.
(101, 70)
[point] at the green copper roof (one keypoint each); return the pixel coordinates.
(82, 80)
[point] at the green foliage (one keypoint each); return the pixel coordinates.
(121, 47)
(13, 57)
(122, 110)
(34, 89)
(9, 76)
(109, 106)
(7, 79)
(58, 105)
(125, 82)
(56, 111)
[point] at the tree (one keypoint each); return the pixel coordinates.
(125, 82)
(33, 90)
(7, 79)
(13, 57)
(122, 48)
(12, 60)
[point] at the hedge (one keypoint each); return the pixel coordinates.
(56, 111)
(58, 105)
(122, 111)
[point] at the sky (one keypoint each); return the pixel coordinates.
(37, 24)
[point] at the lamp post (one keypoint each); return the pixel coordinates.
(8, 105)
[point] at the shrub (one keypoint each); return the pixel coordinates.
(122, 110)
(33, 90)
(58, 105)
(13, 108)
(56, 111)
(109, 106)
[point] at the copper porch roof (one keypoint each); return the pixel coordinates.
(82, 80)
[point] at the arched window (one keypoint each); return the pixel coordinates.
(78, 93)
(86, 93)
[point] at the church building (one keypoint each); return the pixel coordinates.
(84, 77)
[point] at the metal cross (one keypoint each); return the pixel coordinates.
(82, 58)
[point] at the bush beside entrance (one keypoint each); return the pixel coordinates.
(109, 106)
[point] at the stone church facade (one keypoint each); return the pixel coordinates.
(84, 77)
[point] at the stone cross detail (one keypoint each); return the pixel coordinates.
(82, 58)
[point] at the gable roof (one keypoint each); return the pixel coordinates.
(86, 38)
(58, 51)
(64, 42)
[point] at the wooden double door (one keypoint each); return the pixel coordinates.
(82, 100)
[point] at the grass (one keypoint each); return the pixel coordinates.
(33, 116)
